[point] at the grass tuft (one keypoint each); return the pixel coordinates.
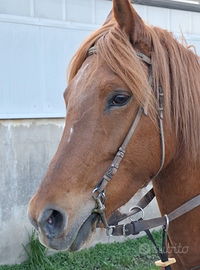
(136, 254)
(37, 253)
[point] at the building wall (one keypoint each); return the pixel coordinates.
(38, 38)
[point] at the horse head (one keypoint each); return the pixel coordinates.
(108, 83)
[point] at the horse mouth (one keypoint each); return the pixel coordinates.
(85, 234)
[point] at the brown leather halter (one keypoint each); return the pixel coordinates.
(98, 194)
(100, 188)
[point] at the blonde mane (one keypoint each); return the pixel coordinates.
(174, 67)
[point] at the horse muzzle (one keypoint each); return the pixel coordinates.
(55, 232)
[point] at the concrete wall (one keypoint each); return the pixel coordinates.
(27, 145)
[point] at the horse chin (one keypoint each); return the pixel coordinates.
(85, 234)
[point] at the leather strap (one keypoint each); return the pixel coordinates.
(136, 227)
(120, 154)
(144, 58)
(116, 217)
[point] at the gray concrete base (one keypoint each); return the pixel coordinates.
(26, 148)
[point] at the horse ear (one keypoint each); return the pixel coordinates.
(127, 18)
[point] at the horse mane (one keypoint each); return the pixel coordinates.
(175, 67)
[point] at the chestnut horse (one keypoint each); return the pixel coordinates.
(108, 82)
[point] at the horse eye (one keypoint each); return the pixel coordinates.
(120, 100)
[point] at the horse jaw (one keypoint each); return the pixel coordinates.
(85, 234)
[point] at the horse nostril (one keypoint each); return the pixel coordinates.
(53, 222)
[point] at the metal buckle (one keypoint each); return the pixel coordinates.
(124, 230)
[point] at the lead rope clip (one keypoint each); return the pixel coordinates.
(170, 261)
(99, 209)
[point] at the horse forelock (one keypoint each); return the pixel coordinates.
(175, 67)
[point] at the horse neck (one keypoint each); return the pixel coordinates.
(177, 183)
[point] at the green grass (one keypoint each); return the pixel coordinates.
(136, 254)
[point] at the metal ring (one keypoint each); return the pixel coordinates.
(98, 196)
(109, 231)
(140, 208)
(167, 222)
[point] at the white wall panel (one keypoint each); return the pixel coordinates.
(193, 40)
(15, 7)
(80, 11)
(102, 10)
(180, 21)
(33, 63)
(20, 74)
(158, 17)
(142, 11)
(48, 9)
(39, 37)
(195, 28)
(57, 48)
